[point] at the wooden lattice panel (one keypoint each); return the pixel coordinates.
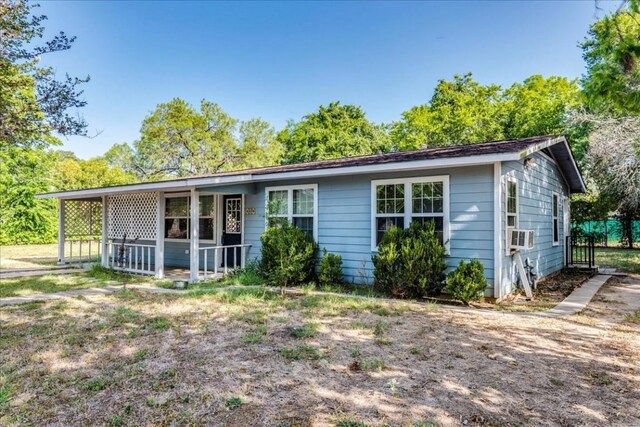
(82, 218)
(133, 214)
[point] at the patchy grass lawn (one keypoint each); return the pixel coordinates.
(250, 357)
(28, 256)
(98, 277)
(627, 260)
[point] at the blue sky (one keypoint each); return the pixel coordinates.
(280, 61)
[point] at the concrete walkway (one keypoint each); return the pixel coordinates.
(578, 299)
(87, 292)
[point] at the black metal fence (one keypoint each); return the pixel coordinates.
(580, 251)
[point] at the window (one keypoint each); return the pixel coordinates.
(512, 203)
(402, 201)
(555, 209)
(295, 204)
(177, 217)
(511, 198)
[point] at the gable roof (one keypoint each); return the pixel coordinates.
(459, 155)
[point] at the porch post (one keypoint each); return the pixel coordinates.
(61, 232)
(159, 255)
(194, 237)
(105, 232)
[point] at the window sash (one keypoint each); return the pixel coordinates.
(299, 206)
(204, 220)
(422, 198)
(555, 222)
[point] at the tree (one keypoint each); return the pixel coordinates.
(614, 163)
(23, 218)
(71, 173)
(612, 54)
(333, 131)
(460, 111)
(463, 111)
(258, 145)
(33, 103)
(176, 140)
(121, 156)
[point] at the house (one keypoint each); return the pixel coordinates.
(209, 224)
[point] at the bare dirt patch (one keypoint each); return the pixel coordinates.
(250, 357)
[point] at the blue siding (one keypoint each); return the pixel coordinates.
(535, 187)
(344, 217)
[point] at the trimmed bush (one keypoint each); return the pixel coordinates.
(288, 256)
(330, 269)
(467, 282)
(410, 262)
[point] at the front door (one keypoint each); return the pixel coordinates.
(232, 229)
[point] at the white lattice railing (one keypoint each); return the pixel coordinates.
(79, 249)
(225, 258)
(132, 257)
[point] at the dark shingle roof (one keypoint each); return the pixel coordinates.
(558, 148)
(484, 148)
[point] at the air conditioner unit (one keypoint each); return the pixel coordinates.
(520, 239)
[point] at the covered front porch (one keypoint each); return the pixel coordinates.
(181, 235)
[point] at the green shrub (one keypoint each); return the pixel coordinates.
(410, 262)
(330, 269)
(467, 282)
(288, 256)
(247, 276)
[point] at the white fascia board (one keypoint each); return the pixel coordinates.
(391, 167)
(184, 184)
(541, 146)
(314, 173)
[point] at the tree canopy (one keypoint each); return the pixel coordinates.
(612, 54)
(33, 103)
(333, 131)
(464, 111)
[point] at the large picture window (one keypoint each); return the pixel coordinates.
(177, 217)
(555, 211)
(294, 204)
(399, 202)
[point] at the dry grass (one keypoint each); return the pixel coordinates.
(249, 357)
(28, 256)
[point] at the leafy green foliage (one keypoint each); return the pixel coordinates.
(330, 269)
(33, 103)
(460, 111)
(467, 282)
(464, 111)
(410, 262)
(23, 218)
(288, 256)
(177, 140)
(333, 131)
(612, 54)
(257, 145)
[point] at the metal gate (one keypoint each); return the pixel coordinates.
(580, 251)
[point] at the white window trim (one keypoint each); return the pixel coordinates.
(508, 179)
(290, 215)
(555, 217)
(188, 195)
(409, 205)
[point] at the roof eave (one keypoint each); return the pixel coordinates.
(178, 185)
